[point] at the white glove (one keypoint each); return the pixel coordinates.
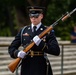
(21, 54)
(37, 40)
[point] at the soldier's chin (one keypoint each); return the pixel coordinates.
(35, 23)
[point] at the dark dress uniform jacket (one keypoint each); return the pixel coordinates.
(35, 65)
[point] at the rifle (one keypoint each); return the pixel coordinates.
(13, 65)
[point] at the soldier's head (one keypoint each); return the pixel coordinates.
(35, 14)
(74, 28)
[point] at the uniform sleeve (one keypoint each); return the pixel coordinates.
(13, 48)
(50, 46)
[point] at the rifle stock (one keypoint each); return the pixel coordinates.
(12, 66)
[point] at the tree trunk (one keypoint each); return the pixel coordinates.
(22, 19)
(21, 12)
(9, 21)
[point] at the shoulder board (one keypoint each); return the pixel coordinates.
(45, 26)
(52, 31)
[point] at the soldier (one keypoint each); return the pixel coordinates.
(73, 35)
(35, 62)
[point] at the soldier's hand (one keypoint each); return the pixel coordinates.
(37, 40)
(21, 54)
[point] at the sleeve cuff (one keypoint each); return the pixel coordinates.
(16, 53)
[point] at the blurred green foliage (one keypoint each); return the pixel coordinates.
(55, 9)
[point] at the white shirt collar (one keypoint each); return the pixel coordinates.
(32, 25)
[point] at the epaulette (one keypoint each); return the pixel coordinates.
(45, 26)
(52, 30)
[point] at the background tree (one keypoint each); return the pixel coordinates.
(13, 15)
(15, 12)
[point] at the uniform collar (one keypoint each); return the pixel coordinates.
(32, 25)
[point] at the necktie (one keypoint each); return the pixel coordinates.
(34, 30)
